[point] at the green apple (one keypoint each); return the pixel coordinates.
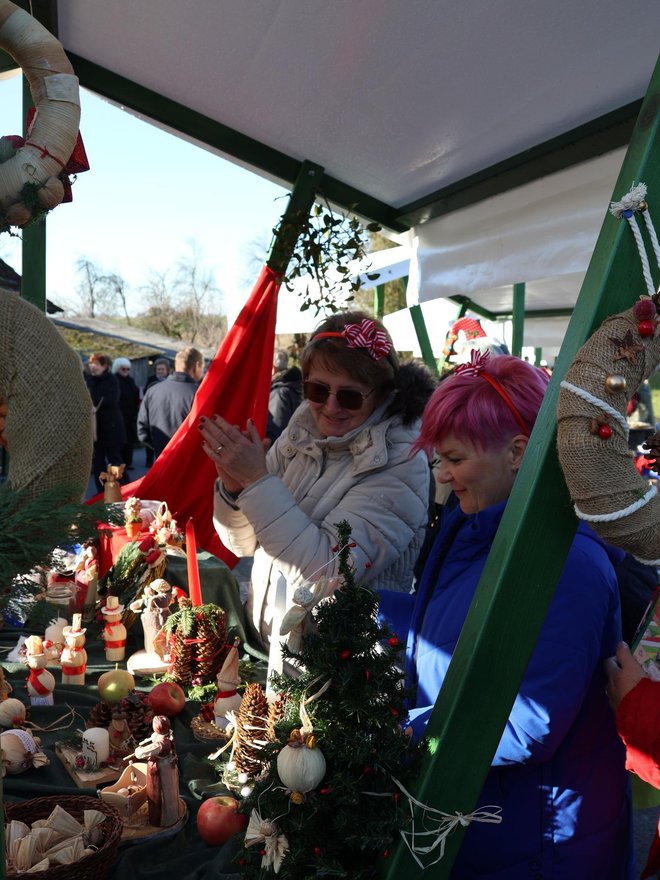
(115, 684)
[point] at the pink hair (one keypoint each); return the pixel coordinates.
(470, 409)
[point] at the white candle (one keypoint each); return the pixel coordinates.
(95, 747)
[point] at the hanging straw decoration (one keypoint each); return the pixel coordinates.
(592, 435)
(52, 137)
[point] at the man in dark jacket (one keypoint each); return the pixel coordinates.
(285, 394)
(166, 404)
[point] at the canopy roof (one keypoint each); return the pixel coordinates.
(414, 111)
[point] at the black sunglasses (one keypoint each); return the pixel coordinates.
(347, 398)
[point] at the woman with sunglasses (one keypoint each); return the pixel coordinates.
(345, 455)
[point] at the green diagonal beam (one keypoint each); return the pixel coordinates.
(530, 547)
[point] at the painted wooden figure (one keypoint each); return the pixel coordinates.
(74, 655)
(40, 682)
(114, 631)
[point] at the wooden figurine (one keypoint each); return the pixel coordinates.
(74, 656)
(114, 631)
(227, 698)
(162, 773)
(155, 605)
(87, 579)
(40, 682)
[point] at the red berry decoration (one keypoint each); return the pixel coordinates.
(644, 309)
(345, 654)
(393, 641)
(604, 432)
(317, 851)
(646, 328)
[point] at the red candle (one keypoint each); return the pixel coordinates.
(194, 585)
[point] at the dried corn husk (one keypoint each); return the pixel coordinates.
(64, 822)
(44, 838)
(68, 854)
(92, 818)
(26, 853)
(43, 865)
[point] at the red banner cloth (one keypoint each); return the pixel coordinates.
(237, 386)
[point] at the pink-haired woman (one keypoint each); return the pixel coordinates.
(558, 772)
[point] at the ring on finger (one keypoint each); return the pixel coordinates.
(219, 448)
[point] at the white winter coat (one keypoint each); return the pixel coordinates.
(287, 519)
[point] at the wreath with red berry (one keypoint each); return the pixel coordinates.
(592, 433)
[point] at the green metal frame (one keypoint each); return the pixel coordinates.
(527, 556)
(518, 319)
(423, 338)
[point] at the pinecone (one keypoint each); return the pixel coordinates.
(100, 715)
(251, 731)
(211, 647)
(181, 632)
(139, 714)
(275, 715)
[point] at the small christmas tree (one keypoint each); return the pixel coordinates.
(327, 803)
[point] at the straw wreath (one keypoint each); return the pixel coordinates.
(592, 435)
(31, 172)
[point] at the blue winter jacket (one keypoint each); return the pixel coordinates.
(558, 772)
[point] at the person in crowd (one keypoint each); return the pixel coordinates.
(558, 772)
(166, 404)
(162, 367)
(109, 432)
(345, 455)
(635, 698)
(286, 393)
(129, 404)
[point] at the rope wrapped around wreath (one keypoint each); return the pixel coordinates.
(592, 434)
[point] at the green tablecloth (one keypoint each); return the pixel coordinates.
(183, 855)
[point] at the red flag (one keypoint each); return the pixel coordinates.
(237, 386)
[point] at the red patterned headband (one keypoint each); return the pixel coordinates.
(365, 335)
(477, 367)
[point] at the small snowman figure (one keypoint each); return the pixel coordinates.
(114, 631)
(40, 682)
(227, 699)
(74, 655)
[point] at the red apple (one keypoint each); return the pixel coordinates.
(217, 820)
(167, 698)
(114, 684)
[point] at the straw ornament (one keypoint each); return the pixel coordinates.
(43, 157)
(592, 434)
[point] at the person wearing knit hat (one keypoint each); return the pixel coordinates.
(467, 334)
(129, 404)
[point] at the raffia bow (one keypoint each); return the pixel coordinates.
(368, 336)
(438, 826)
(265, 832)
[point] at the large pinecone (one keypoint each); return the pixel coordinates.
(100, 715)
(139, 714)
(212, 647)
(275, 715)
(251, 731)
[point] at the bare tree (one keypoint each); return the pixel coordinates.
(196, 293)
(115, 291)
(90, 287)
(163, 315)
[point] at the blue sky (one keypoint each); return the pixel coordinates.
(147, 195)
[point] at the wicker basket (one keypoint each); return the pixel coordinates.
(96, 866)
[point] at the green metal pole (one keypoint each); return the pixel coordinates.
(301, 200)
(530, 547)
(518, 319)
(379, 301)
(423, 338)
(33, 270)
(538, 356)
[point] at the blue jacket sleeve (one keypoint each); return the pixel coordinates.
(581, 629)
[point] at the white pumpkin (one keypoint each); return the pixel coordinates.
(300, 767)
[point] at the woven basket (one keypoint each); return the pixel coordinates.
(96, 866)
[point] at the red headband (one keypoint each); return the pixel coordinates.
(477, 367)
(365, 335)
